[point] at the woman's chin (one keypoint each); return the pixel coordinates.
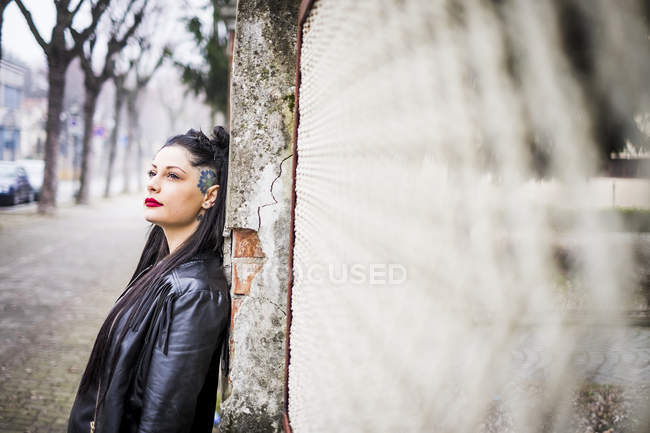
(150, 216)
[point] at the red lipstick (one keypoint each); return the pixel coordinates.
(152, 202)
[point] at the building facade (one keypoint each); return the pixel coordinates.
(12, 85)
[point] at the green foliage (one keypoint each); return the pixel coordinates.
(291, 101)
(210, 78)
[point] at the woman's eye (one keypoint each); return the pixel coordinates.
(152, 173)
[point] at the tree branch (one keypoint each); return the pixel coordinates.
(120, 23)
(137, 19)
(116, 45)
(74, 11)
(32, 26)
(85, 60)
(141, 80)
(80, 37)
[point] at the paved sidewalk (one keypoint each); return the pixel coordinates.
(58, 278)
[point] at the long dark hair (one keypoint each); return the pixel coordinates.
(155, 260)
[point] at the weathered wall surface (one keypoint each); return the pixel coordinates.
(259, 195)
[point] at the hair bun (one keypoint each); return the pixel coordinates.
(221, 137)
(218, 145)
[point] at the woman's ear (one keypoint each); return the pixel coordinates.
(210, 196)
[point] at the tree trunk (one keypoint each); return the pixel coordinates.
(139, 164)
(56, 79)
(132, 137)
(119, 100)
(90, 105)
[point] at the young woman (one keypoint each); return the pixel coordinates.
(154, 366)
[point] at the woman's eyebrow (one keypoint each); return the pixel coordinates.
(170, 166)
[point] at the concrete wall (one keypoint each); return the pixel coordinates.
(259, 196)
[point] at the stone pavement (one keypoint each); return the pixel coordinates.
(59, 277)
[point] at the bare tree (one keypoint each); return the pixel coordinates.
(174, 105)
(120, 95)
(59, 56)
(120, 34)
(141, 80)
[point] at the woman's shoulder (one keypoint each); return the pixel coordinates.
(203, 272)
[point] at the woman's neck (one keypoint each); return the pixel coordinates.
(177, 235)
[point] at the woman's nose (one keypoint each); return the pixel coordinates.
(152, 184)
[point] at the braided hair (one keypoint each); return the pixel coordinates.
(156, 261)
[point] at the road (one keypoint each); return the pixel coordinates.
(59, 276)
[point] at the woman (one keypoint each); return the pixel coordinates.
(154, 365)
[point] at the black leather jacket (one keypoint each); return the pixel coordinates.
(178, 391)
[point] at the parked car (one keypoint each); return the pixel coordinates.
(35, 169)
(14, 184)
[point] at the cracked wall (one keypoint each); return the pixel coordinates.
(259, 197)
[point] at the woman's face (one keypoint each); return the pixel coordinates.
(181, 189)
